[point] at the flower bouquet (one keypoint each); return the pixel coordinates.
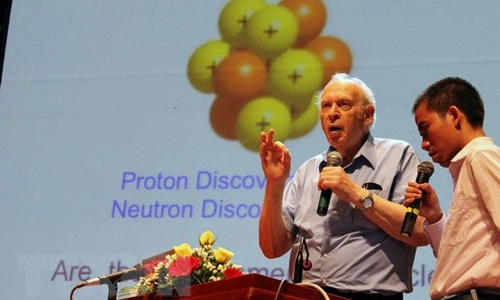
(187, 266)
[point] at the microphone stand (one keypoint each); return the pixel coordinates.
(112, 289)
(112, 280)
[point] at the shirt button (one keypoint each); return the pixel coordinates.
(325, 255)
(324, 282)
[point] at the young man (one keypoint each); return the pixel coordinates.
(449, 115)
(356, 250)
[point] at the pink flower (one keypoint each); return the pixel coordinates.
(184, 266)
(232, 272)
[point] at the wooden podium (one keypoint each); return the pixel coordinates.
(251, 286)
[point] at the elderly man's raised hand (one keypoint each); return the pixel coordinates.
(275, 158)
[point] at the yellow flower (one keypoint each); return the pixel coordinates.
(222, 255)
(183, 250)
(207, 238)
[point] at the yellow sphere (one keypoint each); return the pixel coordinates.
(304, 121)
(272, 30)
(296, 74)
(202, 63)
(234, 18)
(260, 115)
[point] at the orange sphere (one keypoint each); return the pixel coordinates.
(333, 53)
(223, 116)
(311, 16)
(241, 76)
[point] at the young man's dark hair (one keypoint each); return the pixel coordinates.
(453, 91)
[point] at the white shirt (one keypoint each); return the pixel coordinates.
(469, 249)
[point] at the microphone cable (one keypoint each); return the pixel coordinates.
(72, 292)
(315, 286)
(304, 284)
(279, 288)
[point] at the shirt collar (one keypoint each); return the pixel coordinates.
(457, 161)
(365, 154)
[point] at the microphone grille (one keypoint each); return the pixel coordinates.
(334, 158)
(426, 167)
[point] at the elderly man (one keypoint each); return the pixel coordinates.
(356, 249)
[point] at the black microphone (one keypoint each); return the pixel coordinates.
(131, 273)
(299, 260)
(333, 159)
(301, 264)
(135, 272)
(425, 170)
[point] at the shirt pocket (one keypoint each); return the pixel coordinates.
(458, 224)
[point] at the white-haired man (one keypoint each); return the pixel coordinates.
(356, 249)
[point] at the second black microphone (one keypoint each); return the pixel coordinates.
(425, 170)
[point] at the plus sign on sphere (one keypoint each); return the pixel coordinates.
(234, 18)
(272, 30)
(259, 115)
(202, 63)
(296, 74)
